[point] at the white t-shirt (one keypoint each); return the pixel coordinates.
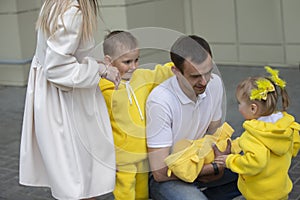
(274, 117)
(172, 116)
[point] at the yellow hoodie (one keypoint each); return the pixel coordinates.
(126, 107)
(268, 149)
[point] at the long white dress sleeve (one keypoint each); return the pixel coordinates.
(66, 141)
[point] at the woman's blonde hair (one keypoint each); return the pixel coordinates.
(53, 9)
(268, 106)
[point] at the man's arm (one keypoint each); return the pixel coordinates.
(159, 168)
(216, 89)
(207, 173)
(157, 164)
(204, 175)
(213, 126)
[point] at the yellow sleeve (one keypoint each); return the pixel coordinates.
(254, 159)
(159, 74)
(107, 88)
(235, 147)
(296, 139)
(163, 73)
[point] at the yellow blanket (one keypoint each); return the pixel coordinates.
(189, 156)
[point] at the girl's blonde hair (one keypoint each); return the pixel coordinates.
(268, 106)
(53, 9)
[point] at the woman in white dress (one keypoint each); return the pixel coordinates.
(66, 142)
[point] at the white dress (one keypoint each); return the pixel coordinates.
(66, 141)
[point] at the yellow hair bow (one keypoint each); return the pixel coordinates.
(275, 78)
(263, 87)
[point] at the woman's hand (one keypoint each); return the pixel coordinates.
(113, 75)
(110, 73)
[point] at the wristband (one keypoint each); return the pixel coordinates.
(216, 169)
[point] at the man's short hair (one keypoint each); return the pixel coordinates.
(190, 47)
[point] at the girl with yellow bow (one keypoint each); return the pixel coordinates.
(270, 140)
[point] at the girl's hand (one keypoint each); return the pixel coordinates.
(221, 160)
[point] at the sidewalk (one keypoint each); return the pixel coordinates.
(12, 105)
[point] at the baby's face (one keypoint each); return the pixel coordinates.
(127, 63)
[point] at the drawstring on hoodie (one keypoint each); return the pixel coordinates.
(129, 93)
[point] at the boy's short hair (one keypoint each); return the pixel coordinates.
(118, 42)
(190, 47)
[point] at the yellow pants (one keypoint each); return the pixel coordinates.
(132, 181)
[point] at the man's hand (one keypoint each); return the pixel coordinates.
(211, 177)
(227, 151)
(221, 160)
(207, 174)
(220, 157)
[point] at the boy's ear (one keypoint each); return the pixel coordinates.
(107, 59)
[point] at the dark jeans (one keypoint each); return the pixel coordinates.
(222, 189)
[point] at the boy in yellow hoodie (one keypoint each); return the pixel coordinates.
(270, 140)
(126, 107)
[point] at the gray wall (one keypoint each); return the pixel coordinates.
(241, 32)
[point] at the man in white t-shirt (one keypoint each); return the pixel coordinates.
(187, 106)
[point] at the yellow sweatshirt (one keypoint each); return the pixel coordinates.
(268, 149)
(126, 107)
